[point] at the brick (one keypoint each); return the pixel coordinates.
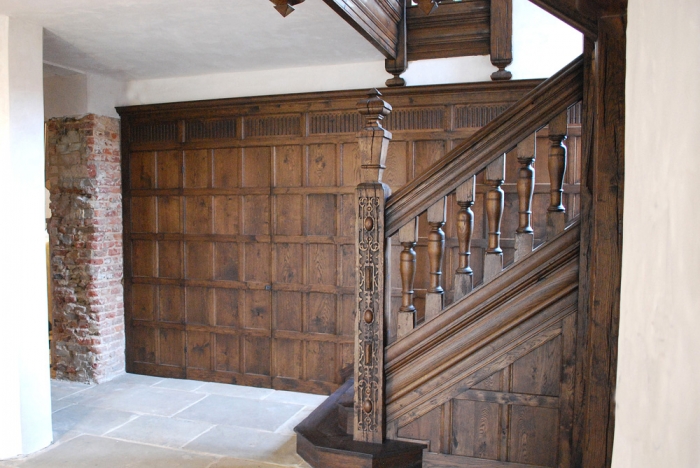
(84, 168)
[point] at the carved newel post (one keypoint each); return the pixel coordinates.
(372, 256)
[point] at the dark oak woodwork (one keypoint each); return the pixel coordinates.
(602, 204)
(371, 250)
(396, 66)
(225, 199)
(569, 12)
(501, 38)
(557, 168)
(532, 112)
(455, 29)
(427, 6)
(494, 369)
(285, 7)
(408, 236)
(464, 281)
(378, 21)
(322, 442)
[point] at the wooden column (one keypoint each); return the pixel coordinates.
(408, 236)
(495, 176)
(602, 203)
(501, 38)
(372, 273)
(436, 252)
(399, 65)
(556, 213)
(464, 278)
(525, 236)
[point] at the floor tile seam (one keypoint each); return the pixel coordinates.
(186, 407)
(61, 409)
(197, 436)
(292, 417)
(233, 426)
(124, 424)
(230, 396)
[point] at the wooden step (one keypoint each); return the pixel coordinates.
(324, 442)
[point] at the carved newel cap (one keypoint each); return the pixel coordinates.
(285, 7)
(373, 138)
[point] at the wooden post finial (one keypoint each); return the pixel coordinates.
(373, 139)
(285, 7)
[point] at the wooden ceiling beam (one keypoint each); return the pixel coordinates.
(377, 20)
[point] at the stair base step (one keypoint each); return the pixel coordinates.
(323, 444)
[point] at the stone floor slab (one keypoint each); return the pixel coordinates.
(239, 391)
(250, 444)
(146, 400)
(99, 452)
(180, 384)
(296, 398)
(88, 420)
(156, 430)
(241, 412)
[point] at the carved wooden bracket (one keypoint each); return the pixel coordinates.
(285, 7)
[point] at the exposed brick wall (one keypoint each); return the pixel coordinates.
(85, 231)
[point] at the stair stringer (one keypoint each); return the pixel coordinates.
(528, 306)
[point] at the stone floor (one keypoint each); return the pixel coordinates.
(138, 421)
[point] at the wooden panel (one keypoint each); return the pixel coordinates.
(452, 30)
(241, 230)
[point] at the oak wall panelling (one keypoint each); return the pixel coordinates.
(239, 260)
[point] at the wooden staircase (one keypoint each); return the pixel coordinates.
(480, 373)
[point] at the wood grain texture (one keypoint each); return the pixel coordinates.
(601, 243)
(455, 29)
(239, 202)
(425, 359)
(568, 12)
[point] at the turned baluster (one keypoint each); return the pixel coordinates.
(524, 236)
(556, 213)
(464, 278)
(408, 236)
(494, 178)
(436, 252)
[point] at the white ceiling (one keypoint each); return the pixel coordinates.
(142, 39)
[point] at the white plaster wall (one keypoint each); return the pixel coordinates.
(104, 94)
(82, 93)
(658, 391)
(25, 399)
(541, 46)
(65, 95)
